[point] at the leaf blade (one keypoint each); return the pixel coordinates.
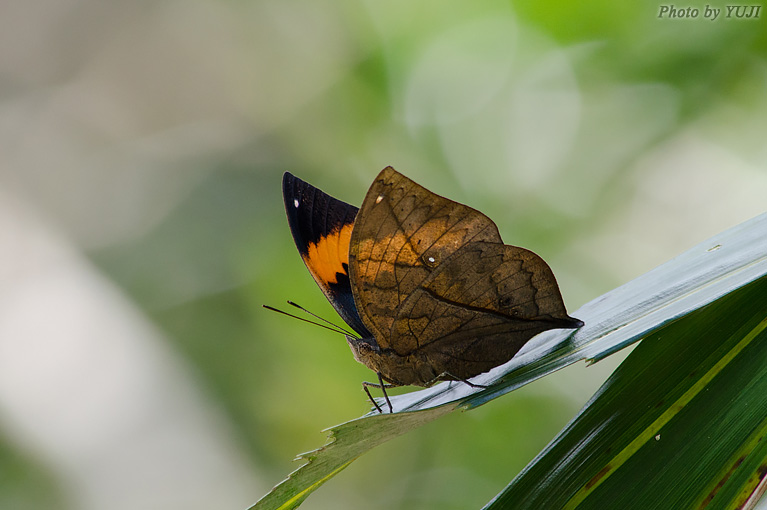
(347, 441)
(641, 444)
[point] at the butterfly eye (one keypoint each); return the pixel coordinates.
(505, 302)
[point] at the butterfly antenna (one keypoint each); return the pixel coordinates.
(334, 330)
(347, 332)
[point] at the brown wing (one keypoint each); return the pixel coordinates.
(478, 309)
(401, 234)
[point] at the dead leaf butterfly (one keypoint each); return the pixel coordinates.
(426, 283)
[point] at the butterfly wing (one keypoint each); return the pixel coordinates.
(402, 233)
(433, 280)
(322, 226)
(478, 309)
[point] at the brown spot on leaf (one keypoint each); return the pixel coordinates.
(595, 479)
(721, 482)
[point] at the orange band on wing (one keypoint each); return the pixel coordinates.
(327, 256)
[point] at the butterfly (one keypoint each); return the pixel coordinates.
(426, 283)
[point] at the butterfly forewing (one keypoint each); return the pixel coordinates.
(402, 233)
(321, 226)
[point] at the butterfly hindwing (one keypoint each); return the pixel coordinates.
(322, 226)
(479, 308)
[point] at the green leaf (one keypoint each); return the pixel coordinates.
(680, 424)
(346, 442)
(688, 282)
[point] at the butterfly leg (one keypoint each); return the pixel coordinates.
(382, 386)
(447, 376)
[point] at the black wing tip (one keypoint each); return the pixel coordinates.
(292, 195)
(573, 323)
(565, 322)
(289, 182)
(312, 213)
(289, 177)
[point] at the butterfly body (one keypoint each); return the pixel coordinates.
(426, 282)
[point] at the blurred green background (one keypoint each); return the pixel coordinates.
(141, 221)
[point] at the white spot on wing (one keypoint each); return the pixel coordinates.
(295, 202)
(378, 200)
